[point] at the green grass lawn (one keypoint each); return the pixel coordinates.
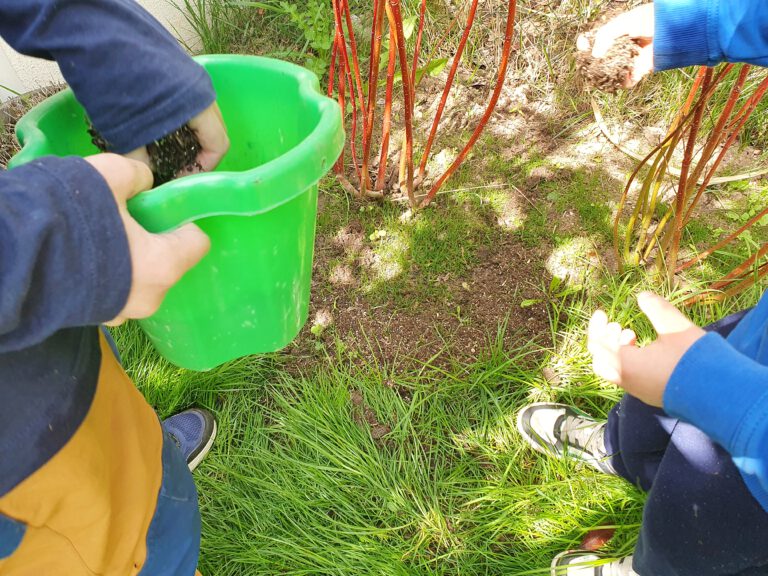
(296, 483)
(361, 468)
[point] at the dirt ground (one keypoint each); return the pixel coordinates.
(454, 330)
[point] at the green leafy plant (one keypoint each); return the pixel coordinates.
(316, 25)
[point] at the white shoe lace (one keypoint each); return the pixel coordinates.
(621, 567)
(584, 434)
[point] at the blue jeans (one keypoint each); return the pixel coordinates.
(173, 540)
(700, 519)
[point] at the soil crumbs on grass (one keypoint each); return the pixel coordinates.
(500, 294)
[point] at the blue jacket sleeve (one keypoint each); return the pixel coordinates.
(64, 258)
(127, 71)
(707, 32)
(724, 392)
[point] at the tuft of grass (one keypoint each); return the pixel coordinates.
(296, 483)
(234, 27)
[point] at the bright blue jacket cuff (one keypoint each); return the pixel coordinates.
(725, 394)
(707, 32)
(685, 34)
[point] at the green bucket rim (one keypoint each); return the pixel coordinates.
(184, 200)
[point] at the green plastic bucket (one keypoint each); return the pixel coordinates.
(250, 294)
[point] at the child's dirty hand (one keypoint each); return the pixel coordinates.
(638, 25)
(643, 372)
(211, 134)
(158, 261)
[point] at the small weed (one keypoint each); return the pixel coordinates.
(315, 22)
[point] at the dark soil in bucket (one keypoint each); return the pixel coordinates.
(611, 71)
(170, 156)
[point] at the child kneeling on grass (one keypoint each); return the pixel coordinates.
(692, 429)
(91, 482)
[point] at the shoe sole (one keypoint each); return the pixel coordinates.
(543, 448)
(557, 569)
(204, 452)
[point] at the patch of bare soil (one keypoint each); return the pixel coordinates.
(494, 296)
(10, 113)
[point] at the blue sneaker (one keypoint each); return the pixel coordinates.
(193, 431)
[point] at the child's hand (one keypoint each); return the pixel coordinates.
(638, 24)
(211, 133)
(643, 372)
(158, 261)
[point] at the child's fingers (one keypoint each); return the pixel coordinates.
(643, 66)
(613, 334)
(212, 134)
(603, 334)
(141, 155)
(607, 35)
(583, 44)
(627, 338)
(605, 363)
(126, 177)
(638, 24)
(666, 319)
(597, 325)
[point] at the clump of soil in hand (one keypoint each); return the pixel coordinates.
(610, 72)
(170, 156)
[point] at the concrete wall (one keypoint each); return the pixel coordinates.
(21, 73)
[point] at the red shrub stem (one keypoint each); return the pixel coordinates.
(373, 76)
(342, 104)
(355, 59)
(448, 85)
(724, 242)
(673, 245)
(346, 75)
(419, 37)
(740, 270)
(506, 50)
(332, 69)
(716, 135)
(396, 22)
(387, 120)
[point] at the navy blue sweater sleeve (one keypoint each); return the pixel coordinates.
(64, 258)
(127, 71)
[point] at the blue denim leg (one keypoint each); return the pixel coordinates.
(11, 534)
(637, 435)
(173, 540)
(700, 518)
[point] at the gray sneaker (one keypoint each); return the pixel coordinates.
(581, 563)
(559, 430)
